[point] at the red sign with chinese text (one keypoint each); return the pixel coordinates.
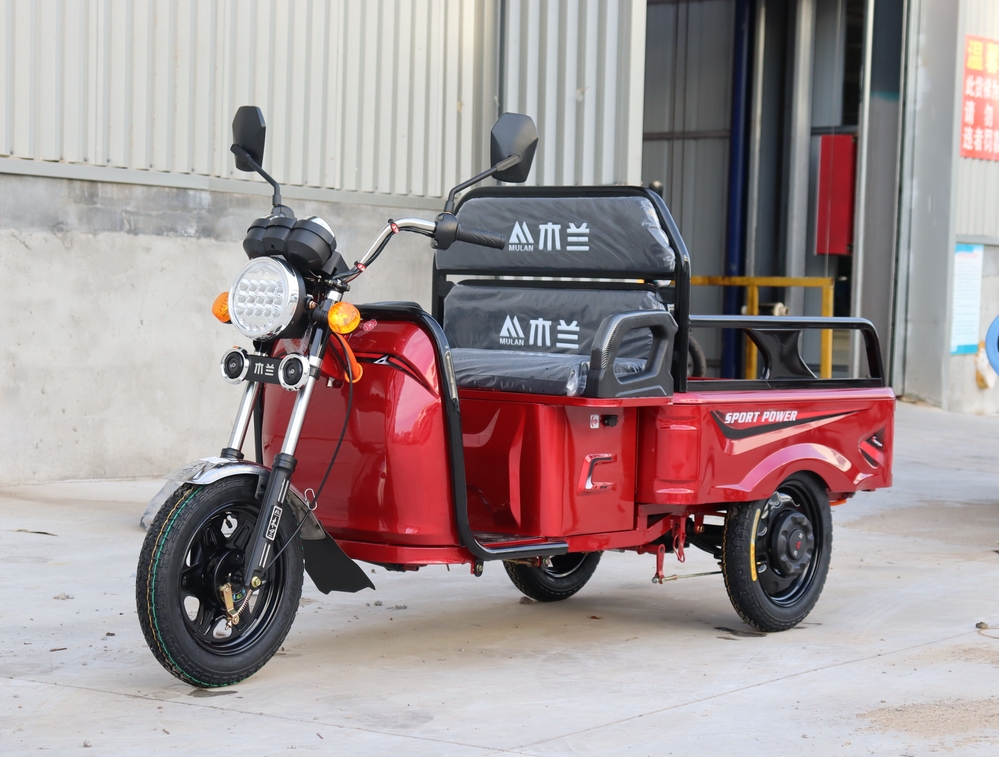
(979, 121)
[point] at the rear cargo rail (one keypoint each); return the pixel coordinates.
(778, 339)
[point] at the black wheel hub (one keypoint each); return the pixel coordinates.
(788, 544)
(215, 557)
(793, 543)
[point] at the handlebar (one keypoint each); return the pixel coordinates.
(480, 237)
(445, 232)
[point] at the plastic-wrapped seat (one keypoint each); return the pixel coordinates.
(530, 372)
(538, 340)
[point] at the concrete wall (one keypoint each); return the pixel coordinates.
(109, 359)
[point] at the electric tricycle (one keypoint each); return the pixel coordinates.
(537, 417)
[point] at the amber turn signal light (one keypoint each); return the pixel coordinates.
(343, 318)
(220, 308)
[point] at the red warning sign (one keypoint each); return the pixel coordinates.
(979, 119)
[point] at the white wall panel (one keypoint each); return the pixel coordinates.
(570, 65)
(374, 96)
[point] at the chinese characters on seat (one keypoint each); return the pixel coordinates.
(540, 334)
(550, 236)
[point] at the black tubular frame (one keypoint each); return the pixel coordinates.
(780, 324)
(680, 275)
(452, 423)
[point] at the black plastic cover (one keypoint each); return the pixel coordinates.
(526, 319)
(580, 236)
(310, 244)
(529, 372)
(277, 231)
(253, 242)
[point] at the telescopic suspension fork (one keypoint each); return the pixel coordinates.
(272, 509)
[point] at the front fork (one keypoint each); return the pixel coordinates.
(261, 552)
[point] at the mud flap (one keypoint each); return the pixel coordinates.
(330, 568)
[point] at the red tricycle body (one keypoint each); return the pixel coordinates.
(592, 474)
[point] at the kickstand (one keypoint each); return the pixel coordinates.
(658, 578)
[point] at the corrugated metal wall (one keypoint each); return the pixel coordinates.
(688, 99)
(687, 114)
(366, 96)
(380, 96)
(977, 181)
(577, 67)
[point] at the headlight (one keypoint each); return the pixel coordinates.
(265, 299)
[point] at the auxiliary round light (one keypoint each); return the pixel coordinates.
(343, 318)
(220, 308)
(266, 298)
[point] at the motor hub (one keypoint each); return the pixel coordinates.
(793, 543)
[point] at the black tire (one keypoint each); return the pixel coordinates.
(197, 542)
(697, 364)
(567, 575)
(788, 539)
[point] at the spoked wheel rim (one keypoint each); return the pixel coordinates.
(214, 556)
(789, 544)
(563, 566)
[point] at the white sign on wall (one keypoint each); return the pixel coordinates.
(966, 299)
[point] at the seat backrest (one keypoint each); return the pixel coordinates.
(552, 318)
(575, 232)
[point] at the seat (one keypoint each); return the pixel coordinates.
(535, 339)
(530, 372)
(581, 314)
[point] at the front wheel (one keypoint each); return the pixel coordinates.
(775, 554)
(195, 548)
(560, 579)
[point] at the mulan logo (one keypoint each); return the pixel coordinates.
(550, 237)
(512, 334)
(520, 241)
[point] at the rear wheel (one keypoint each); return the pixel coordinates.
(194, 548)
(775, 554)
(566, 575)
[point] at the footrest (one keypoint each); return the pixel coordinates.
(522, 545)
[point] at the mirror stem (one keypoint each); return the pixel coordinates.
(243, 155)
(501, 166)
(449, 205)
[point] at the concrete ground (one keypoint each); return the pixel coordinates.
(889, 662)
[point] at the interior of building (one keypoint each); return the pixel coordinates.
(753, 110)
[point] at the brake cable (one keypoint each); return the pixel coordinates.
(348, 372)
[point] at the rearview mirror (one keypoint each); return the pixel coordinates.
(249, 132)
(514, 134)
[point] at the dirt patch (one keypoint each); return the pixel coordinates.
(977, 655)
(973, 525)
(935, 720)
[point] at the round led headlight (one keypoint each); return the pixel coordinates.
(266, 298)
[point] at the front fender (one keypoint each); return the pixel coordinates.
(208, 470)
(327, 564)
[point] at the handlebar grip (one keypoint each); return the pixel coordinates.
(480, 237)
